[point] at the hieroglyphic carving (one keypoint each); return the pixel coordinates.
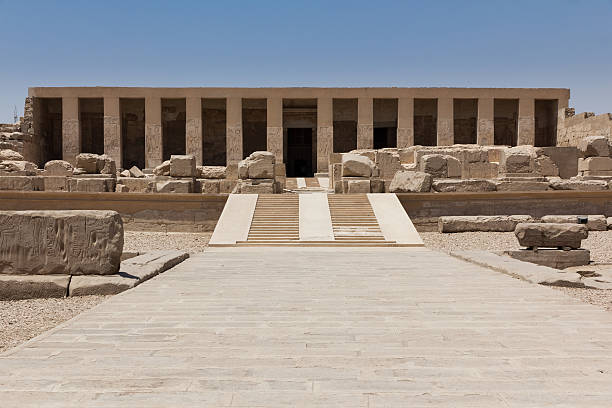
(325, 146)
(365, 136)
(275, 142)
(526, 130)
(405, 137)
(71, 140)
(485, 131)
(153, 145)
(445, 132)
(112, 138)
(193, 139)
(234, 144)
(60, 242)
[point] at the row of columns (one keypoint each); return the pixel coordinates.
(71, 139)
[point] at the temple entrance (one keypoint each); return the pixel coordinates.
(299, 152)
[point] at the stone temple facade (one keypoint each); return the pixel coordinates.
(302, 127)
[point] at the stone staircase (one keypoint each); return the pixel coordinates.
(275, 221)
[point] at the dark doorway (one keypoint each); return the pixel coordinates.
(91, 115)
(545, 122)
(299, 152)
(385, 137)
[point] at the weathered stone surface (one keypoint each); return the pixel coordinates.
(595, 165)
(182, 165)
(136, 172)
(453, 167)
(92, 185)
(358, 186)
(565, 158)
(150, 264)
(545, 166)
(100, 285)
(17, 168)
(593, 146)
(355, 165)
(8, 154)
(106, 165)
(209, 186)
(410, 182)
(550, 235)
(163, 169)
(377, 185)
(60, 242)
(125, 173)
(255, 186)
(58, 168)
(518, 159)
(388, 163)
(88, 162)
(434, 164)
(17, 287)
(553, 258)
(594, 222)
(211, 172)
(468, 185)
(513, 185)
(138, 185)
(55, 183)
(580, 185)
(174, 186)
(21, 183)
(487, 223)
(258, 165)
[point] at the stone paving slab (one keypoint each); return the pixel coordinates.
(287, 327)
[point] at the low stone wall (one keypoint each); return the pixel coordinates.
(139, 211)
(575, 127)
(425, 208)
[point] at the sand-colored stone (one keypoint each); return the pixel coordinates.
(490, 223)
(58, 168)
(355, 165)
(182, 166)
(410, 182)
(593, 146)
(258, 165)
(467, 185)
(551, 235)
(211, 172)
(594, 222)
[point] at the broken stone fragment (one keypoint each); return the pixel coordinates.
(550, 235)
(355, 165)
(163, 169)
(58, 168)
(182, 165)
(406, 181)
(8, 154)
(136, 172)
(258, 165)
(594, 146)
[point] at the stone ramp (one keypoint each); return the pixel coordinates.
(320, 327)
(315, 220)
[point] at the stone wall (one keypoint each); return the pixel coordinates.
(573, 128)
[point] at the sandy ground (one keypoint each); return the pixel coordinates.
(21, 320)
(136, 241)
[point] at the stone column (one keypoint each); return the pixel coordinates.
(325, 133)
(365, 123)
(71, 129)
(405, 122)
(445, 122)
(234, 131)
(193, 128)
(153, 132)
(112, 130)
(274, 130)
(526, 121)
(485, 130)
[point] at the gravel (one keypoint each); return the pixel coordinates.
(598, 242)
(21, 320)
(137, 241)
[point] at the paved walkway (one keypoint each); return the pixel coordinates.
(349, 327)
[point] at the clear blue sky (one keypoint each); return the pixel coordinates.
(537, 43)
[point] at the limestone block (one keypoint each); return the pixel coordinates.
(183, 165)
(466, 185)
(18, 287)
(335, 158)
(545, 166)
(174, 186)
(355, 165)
(106, 165)
(163, 169)
(256, 186)
(513, 185)
(18, 168)
(518, 159)
(136, 172)
(150, 264)
(551, 235)
(377, 185)
(489, 223)
(231, 171)
(434, 164)
(593, 146)
(482, 170)
(388, 163)
(60, 242)
(91, 185)
(210, 186)
(407, 155)
(55, 183)
(553, 258)
(258, 165)
(100, 285)
(369, 153)
(358, 186)
(595, 164)
(125, 173)
(453, 167)
(594, 222)
(139, 185)
(410, 182)
(579, 185)
(88, 162)
(280, 170)
(120, 188)
(21, 183)
(8, 154)
(211, 172)
(565, 158)
(226, 186)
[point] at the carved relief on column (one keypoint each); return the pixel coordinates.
(365, 136)
(153, 145)
(365, 123)
(275, 142)
(234, 144)
(112, 129)
(526, 122)
(405, 137)
(193, 128)
(71, 129)
(405, 122)
(445, 122)
(486, 124)
(325, 141)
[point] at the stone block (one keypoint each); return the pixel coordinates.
(231, 171)
(182, 165)
(163, 169)
(434, 164)
(551, 235)
(139, 185)
(92, 185)
(518, 159)
(136, 172)
(595, 164)
(125, 173)
(18, 287)
(208, 186)
(106, 165)
(174, 186)
(410, 182)
(8, 154)
(58, 168)
(593, 146)
(489, 223)
(594, 222)
(100, 285)
(280, 170)
(18, 168)
(150, 264)
(565, 158)
(358, 186)
(480, 170)
(211, 172)
(388, 163)
(377, 185)
(507, 185)
(545, 166)
(60, 242)
(355, 165)
(553, 258)
(55, 183)
(21, 183)
(256, 186)
(579, 185)
(453, 167)
(258, 165)
(227, 185)
(88, 162)
(466, 185)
